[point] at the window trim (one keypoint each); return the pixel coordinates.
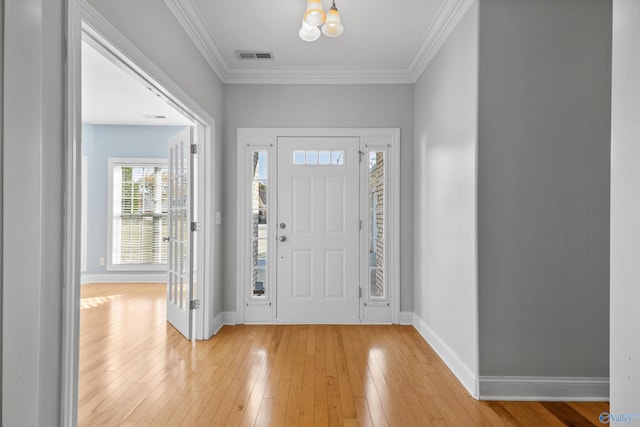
(112, 162)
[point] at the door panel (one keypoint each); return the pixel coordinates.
(180, 252)
(318, 203)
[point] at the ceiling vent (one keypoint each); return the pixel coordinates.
(245, 55)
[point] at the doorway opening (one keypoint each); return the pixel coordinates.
(149, 194)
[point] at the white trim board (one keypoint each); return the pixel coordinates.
(560, 389)
(567, 389)
(405, 318)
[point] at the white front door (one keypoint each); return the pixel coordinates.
(180, 253)
(318, 230)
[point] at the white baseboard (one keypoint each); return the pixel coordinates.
(224, 318)
(560, 389)
(218, 323)
(124, 278)
(406, 318)
(229, 318)
(567, 389)
(465, 375)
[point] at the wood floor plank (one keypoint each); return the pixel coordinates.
(264, 413)
(569, 415)
(135, 369)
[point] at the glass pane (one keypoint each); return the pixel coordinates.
(259, 195)
(376, 194)
(140, 218)
(337, 157)
(376, 253)
(376, 224)
(259, 224)
(259, 221)
(312, 157)
(258, 282)
(262, 253)
(254, 253)
(259, 165)
(298, 157)
(324, 157)
(376, 283)
(376, 164)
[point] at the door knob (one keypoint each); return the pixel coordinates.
(283, 225)
(282, 238)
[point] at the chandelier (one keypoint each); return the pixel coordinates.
(315, 17)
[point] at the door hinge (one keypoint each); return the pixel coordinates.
(195, 226)
(194, 304)
(359, 292)
(195, 149)
(360, 224)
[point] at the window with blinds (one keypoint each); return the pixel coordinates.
(139, 214)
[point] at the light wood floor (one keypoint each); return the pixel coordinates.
(137, 370)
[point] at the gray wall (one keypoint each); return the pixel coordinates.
(446, 111)
(319, 106)
(625, 209)
(543, 187)
(1, 168)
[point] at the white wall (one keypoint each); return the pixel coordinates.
(319, 106)
(446, 109)
(625, 210)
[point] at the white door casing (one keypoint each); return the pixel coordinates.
(180, 257)
(318, 230)
(263, 307)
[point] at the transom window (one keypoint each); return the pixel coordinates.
(139, 217)
(322, 158)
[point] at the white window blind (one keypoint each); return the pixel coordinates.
(139, 214)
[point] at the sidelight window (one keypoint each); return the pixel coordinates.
(260, 217)
(377, 223)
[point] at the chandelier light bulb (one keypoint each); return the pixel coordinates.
(314, 15)
(332, 26)
(309, 33)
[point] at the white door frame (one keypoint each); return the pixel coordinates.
(267, 139)
(83, 18)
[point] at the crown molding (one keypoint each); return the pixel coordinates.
(189, 18)
(318, 75)
(448, 16)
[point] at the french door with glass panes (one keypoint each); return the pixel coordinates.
(317, 213)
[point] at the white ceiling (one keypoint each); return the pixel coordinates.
(111, 95)
(384, 41)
